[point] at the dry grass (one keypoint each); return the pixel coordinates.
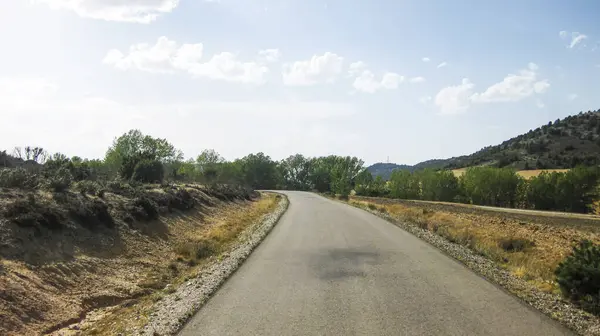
(531, 251)
(527, 174)
(193, 246)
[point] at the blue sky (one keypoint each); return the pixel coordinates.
(412, 80)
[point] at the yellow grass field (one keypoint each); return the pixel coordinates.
(524, 173)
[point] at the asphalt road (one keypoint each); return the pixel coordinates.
(330, 269)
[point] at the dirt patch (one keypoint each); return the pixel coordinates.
(66, 255)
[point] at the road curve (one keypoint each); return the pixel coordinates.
(330, 269)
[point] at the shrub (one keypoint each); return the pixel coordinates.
(372, 206)
(121, 188)
(90, 213)
(199, 249)
(17, 178)
(579, 276)
(148, 171)
(149, 208)
(60, 181)
(515, 244)
(88, 187)
(29, 213)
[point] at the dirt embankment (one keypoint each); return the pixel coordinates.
(64, 255)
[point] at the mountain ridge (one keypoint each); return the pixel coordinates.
(566, 143)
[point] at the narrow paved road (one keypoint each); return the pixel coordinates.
(330, 269)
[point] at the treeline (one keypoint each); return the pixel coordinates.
(138, 158)
(571, 191)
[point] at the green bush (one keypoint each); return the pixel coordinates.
(18, 178)
(148, 171)
(579, 276)
(149, 208)
(60, 181)
(88, 187)
(90, 213)
(29, 213)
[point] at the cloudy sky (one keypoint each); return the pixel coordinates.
(410, 79)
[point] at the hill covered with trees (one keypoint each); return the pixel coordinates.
(566, 143)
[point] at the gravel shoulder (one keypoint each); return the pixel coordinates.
(172, 312)
(552, 305)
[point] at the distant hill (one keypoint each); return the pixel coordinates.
(385, 169)
(566, 143)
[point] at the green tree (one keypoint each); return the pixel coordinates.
(343, 172)
(295, 171)
(259, 171)
(133, 147)
(148, 171)
(491, 186)
(209, 165)
(404, 185)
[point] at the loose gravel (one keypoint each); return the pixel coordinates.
(552, 305)
(173, 311)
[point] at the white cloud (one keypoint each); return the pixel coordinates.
(575, 38)
(224, 66)
(425, 100)
(572, 96)
(356, 68)
(391, 80)
(417, 79)
(319, 69)
(366, 82)
(441, 65)
(426, 59)
(455, 99)
(167, 57)
(137, 11)
(514, 87)
(270, 55)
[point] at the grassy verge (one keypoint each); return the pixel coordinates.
(530, 251)
(193, 250)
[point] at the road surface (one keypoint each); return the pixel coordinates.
(330, 269)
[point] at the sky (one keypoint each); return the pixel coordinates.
(407, 80)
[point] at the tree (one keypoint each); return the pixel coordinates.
(259, 171)
(148, 171)
(209, 165)
(133, 147)
(491, 186)
(36, 154)
(404, 185)
(295, 171)
(343, 172)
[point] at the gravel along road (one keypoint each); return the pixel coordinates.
(330, 269)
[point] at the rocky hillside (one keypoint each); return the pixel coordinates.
(566, 143)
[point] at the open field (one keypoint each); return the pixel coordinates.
(524, 173)
(530, 244)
